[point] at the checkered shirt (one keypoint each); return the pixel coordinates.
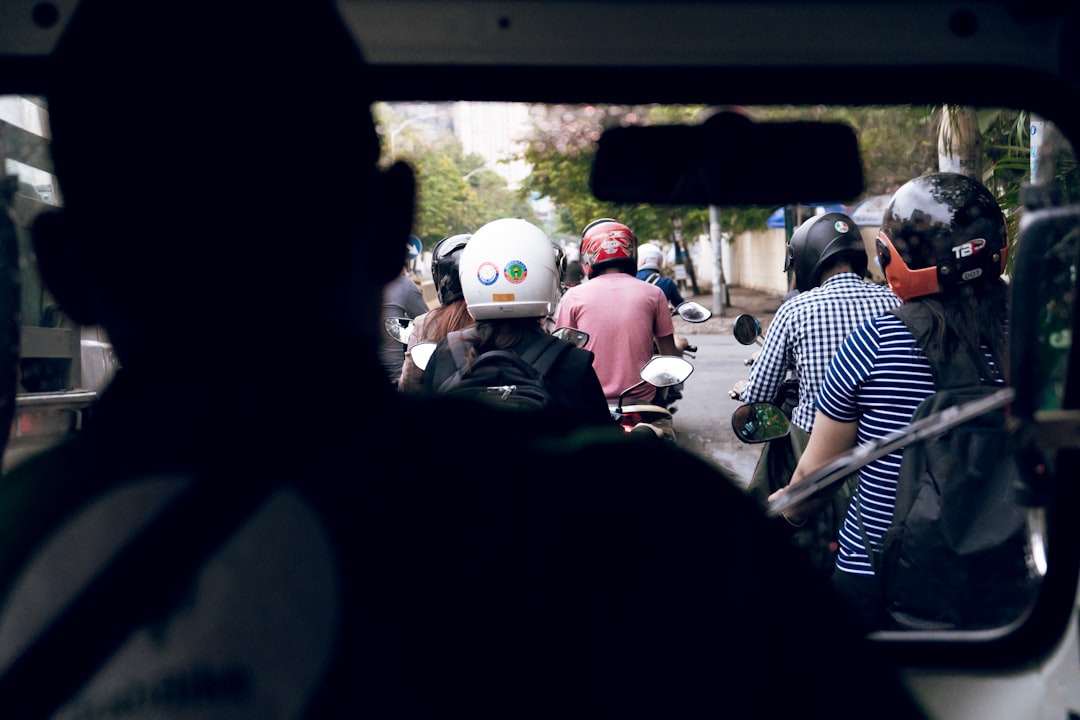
(805, 334)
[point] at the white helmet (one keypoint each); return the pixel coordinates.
(507, 270)
(649, 257)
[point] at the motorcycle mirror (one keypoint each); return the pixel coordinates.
(694, 312)
(666, 370)
(398, 328)
(759, 422)
(747, 329)
(421, 354)
(573, 335)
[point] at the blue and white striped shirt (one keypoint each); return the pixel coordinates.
(805, 334)
(878, 379)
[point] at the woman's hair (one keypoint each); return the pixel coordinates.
(444, 319)
(501, 334)
(972, 315)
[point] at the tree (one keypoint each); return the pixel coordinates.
(455, 193)
(561, 152)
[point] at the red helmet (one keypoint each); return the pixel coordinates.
(608, 241)
(941, 230)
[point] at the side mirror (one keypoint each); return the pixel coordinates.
(694, 312)
(573, 335)
(759, 422)
(421, 354)
(1042, 308)
(666, 370)
(399, 328)
(1042, 312)
(747, 329)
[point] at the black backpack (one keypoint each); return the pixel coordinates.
(503, 378)
(955, 555)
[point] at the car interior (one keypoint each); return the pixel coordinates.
(687, 105)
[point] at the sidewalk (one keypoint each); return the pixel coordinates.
(759, 303)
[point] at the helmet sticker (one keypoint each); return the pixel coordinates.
(969, 248)
(487, 273)
(841, 226)
(515, 271)
(610, 243)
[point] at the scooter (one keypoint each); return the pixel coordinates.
(662, 371)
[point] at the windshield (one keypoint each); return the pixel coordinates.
(477, 161)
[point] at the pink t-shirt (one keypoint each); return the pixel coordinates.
(622, 316)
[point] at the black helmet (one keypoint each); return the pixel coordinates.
(444, 268)
(938, 231)
(817, 243)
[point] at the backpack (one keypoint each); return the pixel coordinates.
(503, 378)
(955, 554)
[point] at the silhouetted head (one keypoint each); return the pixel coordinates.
(218, 171)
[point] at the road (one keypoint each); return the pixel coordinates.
(703, 418)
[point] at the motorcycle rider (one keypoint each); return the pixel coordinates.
(622, 315)
(829, 260)
(509, 279)
(451, 314)
(650, 269)
(402, 297)
(879, 375)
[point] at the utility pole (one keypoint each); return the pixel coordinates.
(720, 293)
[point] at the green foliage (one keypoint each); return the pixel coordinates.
(455, 193)
(561, 151)
(897, 143)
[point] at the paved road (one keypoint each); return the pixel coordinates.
(703, 418)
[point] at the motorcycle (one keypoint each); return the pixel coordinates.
(769, 423)
(662, 371)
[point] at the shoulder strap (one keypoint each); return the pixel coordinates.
(458, 341)
(544, 352)
(653, 278)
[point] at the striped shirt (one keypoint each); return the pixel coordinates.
(878, 379)
(805, 334)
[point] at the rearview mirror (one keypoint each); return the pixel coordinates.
(759, 422)
(694, 312)
(571, 335)
(399, 328)
(728, 160)
(747, 329)
(666, 370)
